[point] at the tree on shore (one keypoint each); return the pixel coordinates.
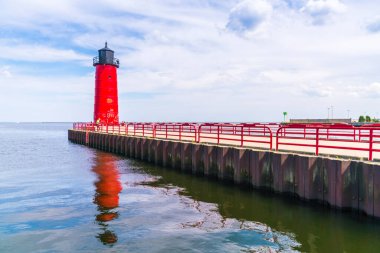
(361, 118)
(285, 114)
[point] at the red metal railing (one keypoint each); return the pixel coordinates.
(143, 129)
(85, 126)
(331, 139)
(177, 131)
(235, 134)
(335, 139)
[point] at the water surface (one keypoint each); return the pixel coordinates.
(56, 196)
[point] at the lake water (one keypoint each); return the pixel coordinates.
(56, 196)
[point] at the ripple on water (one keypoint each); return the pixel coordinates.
(60, 197)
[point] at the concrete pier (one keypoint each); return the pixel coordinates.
(338, 183)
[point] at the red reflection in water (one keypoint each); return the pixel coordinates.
(107, 189)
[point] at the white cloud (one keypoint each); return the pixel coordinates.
(317, 90)
(5, 72)
(374, 25)
(248, 16)
(295, 4)
(37, 53)
(365, 91)
(322, 10)
(373, 90)
(47, 98)
(369, 91)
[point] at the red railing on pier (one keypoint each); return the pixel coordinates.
(176, 131)
(335, 139)
(329, 139)
(236, 134)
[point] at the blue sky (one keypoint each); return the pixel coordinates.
(193, 60)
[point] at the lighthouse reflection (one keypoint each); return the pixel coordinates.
(107, 189)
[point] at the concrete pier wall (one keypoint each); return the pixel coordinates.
(340, 184)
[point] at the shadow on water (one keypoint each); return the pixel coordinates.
(317, 229)
(107, 189)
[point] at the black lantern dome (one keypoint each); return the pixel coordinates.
(106, 57)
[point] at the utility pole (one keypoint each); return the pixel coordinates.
(332, 112)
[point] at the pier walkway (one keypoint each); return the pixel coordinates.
(338, 140)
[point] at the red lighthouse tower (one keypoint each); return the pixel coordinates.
(106, 107)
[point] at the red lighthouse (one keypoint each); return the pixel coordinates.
(106, 107)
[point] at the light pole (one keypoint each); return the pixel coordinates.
(328, 112)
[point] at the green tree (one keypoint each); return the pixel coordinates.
(367, 118)
(361, 118)
(285, 113)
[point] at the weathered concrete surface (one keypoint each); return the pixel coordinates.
(341, 184)
(186, 158)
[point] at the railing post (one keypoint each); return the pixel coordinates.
(199, 133)
(154, 130)
(370, 145)
(107, 128)
(218, 134)
(241, 137)
(277, 137)
(134, 129)
(143, 130)
(119, 129)
(180, 132)
(271, 139)
(317, 142)
(166, 131)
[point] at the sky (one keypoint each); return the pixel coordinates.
(192, 60)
